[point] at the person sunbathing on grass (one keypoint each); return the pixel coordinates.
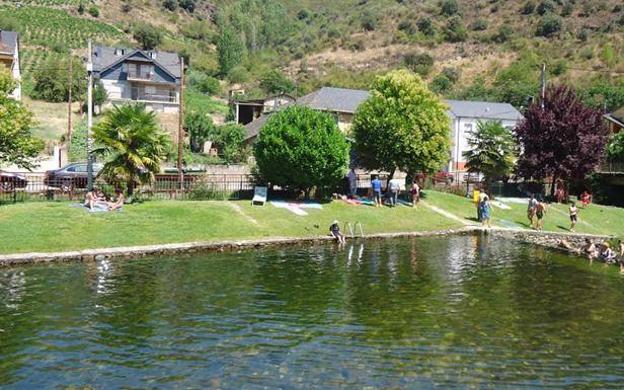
(118, 203)
(334, 230)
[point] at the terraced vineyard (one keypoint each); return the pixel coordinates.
(51, 28)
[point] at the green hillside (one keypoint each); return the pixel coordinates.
(473, 49)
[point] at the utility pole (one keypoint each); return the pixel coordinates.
(69, 103)
(543, 85)
(89, 121)
(180, 125)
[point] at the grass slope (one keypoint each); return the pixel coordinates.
(57, 226)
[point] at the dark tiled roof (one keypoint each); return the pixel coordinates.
(486, 110)
(8, 42)
(104, 56)
(616, 116)
(334, 99)
(252, 129)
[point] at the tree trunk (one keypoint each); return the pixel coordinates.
(553, 185)
(130, 185)
(390, 176)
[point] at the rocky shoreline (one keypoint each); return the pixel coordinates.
(546, 239)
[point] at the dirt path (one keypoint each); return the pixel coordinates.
(240, 211)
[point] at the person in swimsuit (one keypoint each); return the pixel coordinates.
(531, 210)
(118, 203)
(415, 191)
(573, 216)
(334, 230)
(540, 212)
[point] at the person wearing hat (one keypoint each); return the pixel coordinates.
(334, 230)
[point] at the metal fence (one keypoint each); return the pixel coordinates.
(20, 187)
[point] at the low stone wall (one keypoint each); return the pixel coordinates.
(547, 239)
(191, 247)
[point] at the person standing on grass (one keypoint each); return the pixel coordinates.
(476, 199)
(531, 210)
(573, 216)
(486, 211)
(393, 188)
(482, 196)
(415, 191)
(540, 212)
(352, 176)
(376, 186)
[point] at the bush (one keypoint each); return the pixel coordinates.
(300, 148)
(425, 26)
(188, 5)
(441, 84)
(229, 141)
(480, 25)
(503, 34)
(528, 8)
(407, 27)
(455, 30)
(238, 74)
(549, 25)
(451, 73)
(546, 6)
(420, 63)
(50, 81)
(449, 7)
(369, 21)
(199, 127)
(275, 81)
(567, 9)
(204, 83)
(81, 8)
(148, 36)
(170, 5)
(94, 11)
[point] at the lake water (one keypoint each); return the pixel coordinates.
(453, 312)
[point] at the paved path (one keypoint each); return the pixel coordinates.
(448, 214)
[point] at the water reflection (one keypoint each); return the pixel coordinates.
(468, 311)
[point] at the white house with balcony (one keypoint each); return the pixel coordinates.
(132, 75)
(10, 59)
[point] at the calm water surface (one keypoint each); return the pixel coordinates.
(453, 312)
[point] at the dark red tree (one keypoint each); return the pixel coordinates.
(563, 140)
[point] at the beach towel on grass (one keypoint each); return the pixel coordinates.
(97, 208)
(297, 208)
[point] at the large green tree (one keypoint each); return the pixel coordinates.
(17, 145)
(300, 148)
(492, 151)
(229, 140)
(51, 80)
(402, 125)
(132, 144)
(230, 49)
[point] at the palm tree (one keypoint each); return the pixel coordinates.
(132, 143)
(492, 151)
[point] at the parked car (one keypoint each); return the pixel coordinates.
(10, 181)
(71, 176)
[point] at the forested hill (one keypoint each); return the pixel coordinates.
(475, 49)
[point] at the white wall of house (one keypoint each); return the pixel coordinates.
(461, 128)
(16, 71)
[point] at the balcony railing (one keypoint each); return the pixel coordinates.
(139, 94)
(141, 75)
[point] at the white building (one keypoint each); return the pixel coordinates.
(132, 75)
(9, 58)
(465, 116)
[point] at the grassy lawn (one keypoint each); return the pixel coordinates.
(595, 219)
(37, 227)
(41, 227)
